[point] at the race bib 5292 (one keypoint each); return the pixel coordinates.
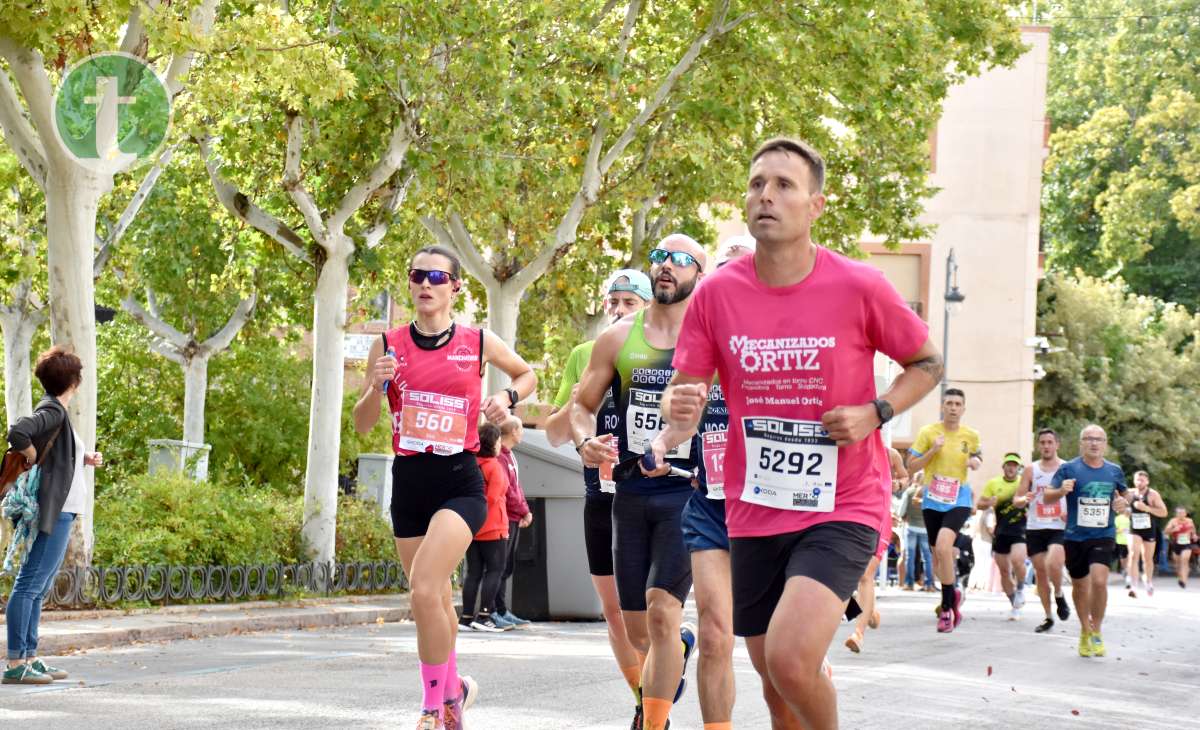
(790, 465)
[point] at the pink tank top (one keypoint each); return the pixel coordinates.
(434, 396)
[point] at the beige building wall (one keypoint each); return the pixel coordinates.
(987, 155)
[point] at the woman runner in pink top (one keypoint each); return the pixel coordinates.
(430, 372)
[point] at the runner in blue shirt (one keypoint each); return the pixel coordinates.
(1090, 485)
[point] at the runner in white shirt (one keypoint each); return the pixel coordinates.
(1044, 526)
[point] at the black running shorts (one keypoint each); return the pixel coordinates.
(952, 520)
(834, 554)
(1002, 543)
(424, 484)
(648, 547)
(1150, 534)
(1039, 541)
(1083, 554)
(598, 533)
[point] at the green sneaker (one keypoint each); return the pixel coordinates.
(1085, 644)
(25, 674)
(1097, 645)
(44, 668)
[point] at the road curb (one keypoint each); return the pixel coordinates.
(64, 636)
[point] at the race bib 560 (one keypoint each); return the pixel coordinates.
(432, 422)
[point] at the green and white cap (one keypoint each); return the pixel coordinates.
(630, 280)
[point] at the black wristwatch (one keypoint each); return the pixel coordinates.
(884, 410)
(513, 397)
(579, 446)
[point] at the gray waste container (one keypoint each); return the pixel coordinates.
(551, 580)
(375, 481)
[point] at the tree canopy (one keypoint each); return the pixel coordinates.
(1130, 363)
(1122, 185)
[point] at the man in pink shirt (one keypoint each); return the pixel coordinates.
(792, 332)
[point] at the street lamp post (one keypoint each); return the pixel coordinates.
(953, 302)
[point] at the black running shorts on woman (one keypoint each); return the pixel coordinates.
(423, 484)
(834, 554)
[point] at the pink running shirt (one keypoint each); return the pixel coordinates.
(435, 395)
(785, 356)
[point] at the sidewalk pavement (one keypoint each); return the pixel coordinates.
(62, 632)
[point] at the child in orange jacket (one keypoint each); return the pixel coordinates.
(485, 556)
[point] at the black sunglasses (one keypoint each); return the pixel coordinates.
(436, 277)
(679, 258)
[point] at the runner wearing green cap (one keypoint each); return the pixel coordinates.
(1008, 546)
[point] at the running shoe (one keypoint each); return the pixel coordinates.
(430, 720)
(873, 622)
(907, 587)
(486, 624)
(945, 622)
(855, 642)
(516, 621)
(1182, 584)
(48, 670)
(1045, 626)
(453, 710)
(957, 610)
(1064, 610)
(1019, 598)
(637, 718)
(1085, 644)
(1150, 591)
(687, 637)
(1097, 645)
(500, 620)
(464, 623)
(1014, 614)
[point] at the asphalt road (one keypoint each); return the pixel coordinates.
(991, 673)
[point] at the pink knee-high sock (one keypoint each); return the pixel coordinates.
(433, 683)
(453, 683)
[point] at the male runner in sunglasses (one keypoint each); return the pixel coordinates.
(628, 291)
(792, 333)
(654, 576)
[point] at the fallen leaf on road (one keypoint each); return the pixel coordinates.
(1074, 712)
(989, 670)
(379, 620)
